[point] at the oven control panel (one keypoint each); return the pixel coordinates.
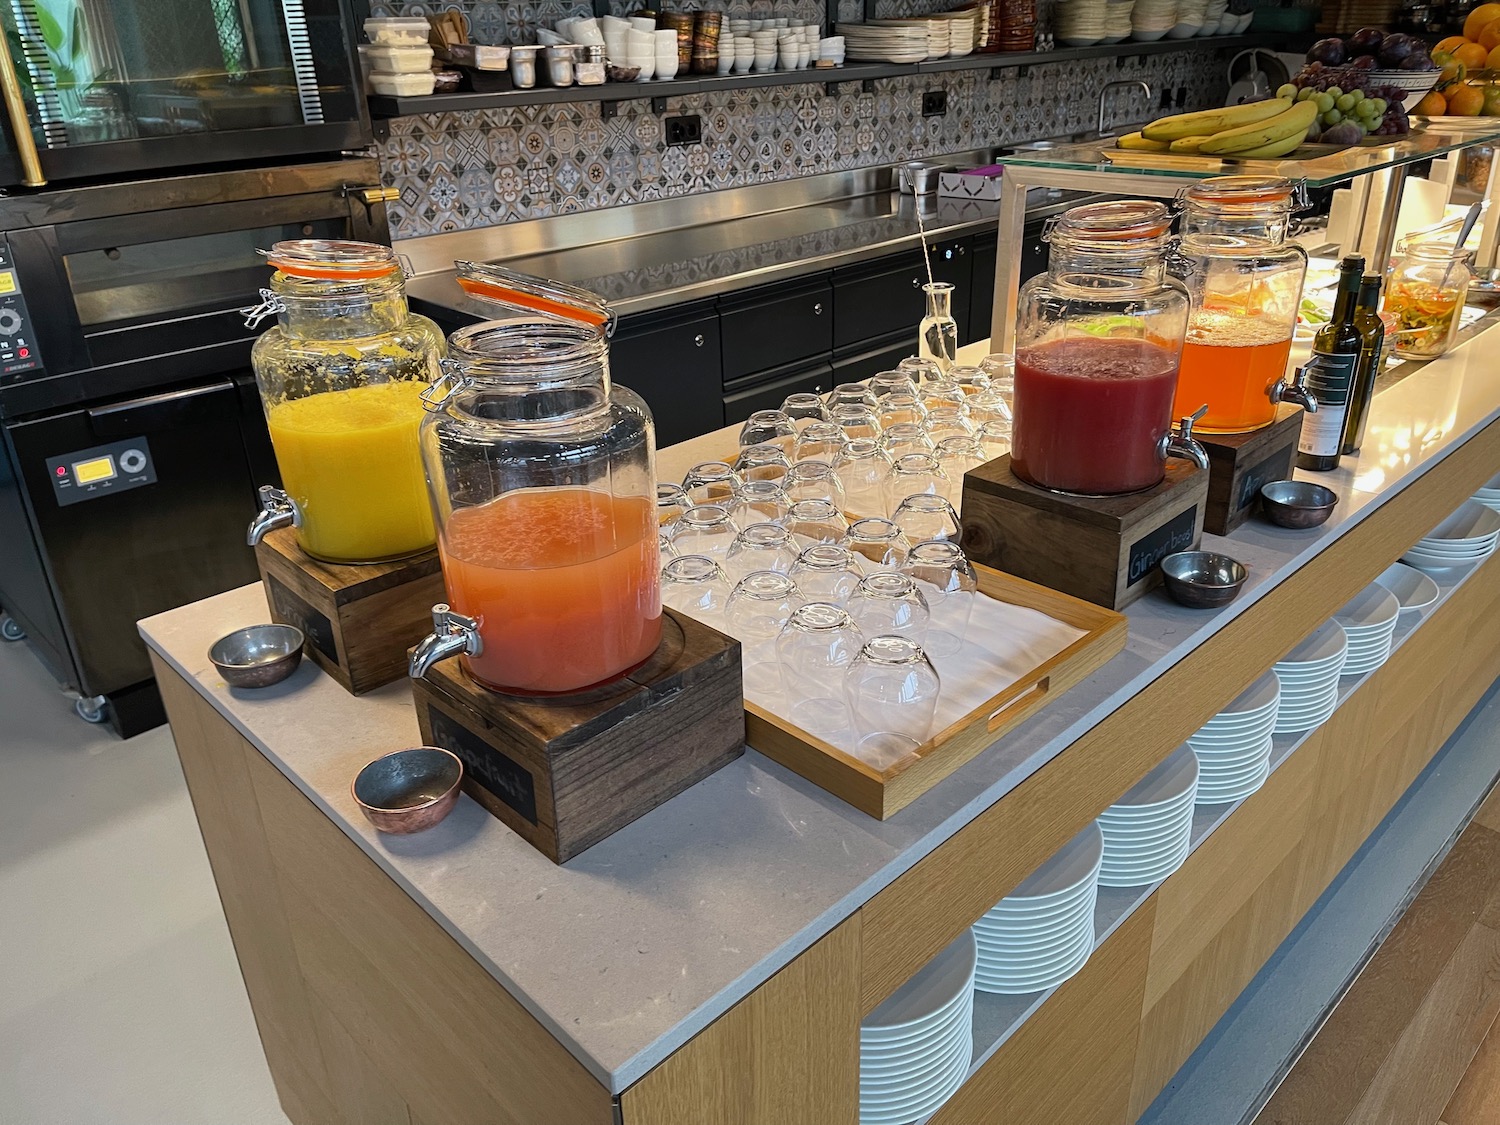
(91, 473)
(18, 351)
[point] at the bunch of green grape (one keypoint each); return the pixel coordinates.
(1336, 107)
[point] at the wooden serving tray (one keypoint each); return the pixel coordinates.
(883, 793)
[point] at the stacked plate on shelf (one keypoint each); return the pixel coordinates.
(962, 31)
(914, 1049)
(1117, 20)
(1309, 676)
(1152, 19)
(1369, 621)
(938, 38)
(891, 41)
(1467, 536)
(1413, 589)
(1041, 933)
(1079, 23)
(1489, 495)
(1234, 747)
(1148, 831)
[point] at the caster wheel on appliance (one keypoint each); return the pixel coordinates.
(92, 709)
(10, 630)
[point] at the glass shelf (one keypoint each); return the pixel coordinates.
(1434, 140)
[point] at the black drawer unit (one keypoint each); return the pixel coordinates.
(671, 359)
(774, 325)
(861, 363)
(872, 298)
(768, 394)
(1033, 253)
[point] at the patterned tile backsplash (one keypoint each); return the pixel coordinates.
(457, 171)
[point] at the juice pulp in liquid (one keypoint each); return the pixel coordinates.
(1090, 412)
(1230, 360)
(564, 582)
(351, 462)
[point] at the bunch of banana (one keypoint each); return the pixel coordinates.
(1255, 131)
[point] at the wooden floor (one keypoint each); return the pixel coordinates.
(1416, 1040)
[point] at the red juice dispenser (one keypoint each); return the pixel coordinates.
(543, 486)
(1098, 345)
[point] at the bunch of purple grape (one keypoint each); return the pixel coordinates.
(1349, 88)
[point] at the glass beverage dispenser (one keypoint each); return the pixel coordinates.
(1098, 341)
(542, 477)
(1245, 282)
(341, 376)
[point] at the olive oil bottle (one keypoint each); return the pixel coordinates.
(1330, 375)
(1371, 354)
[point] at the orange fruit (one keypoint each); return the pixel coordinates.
(1433, 105)
(1452, 43)
(1465, 101)
(1472, 55)
(1493, 62)
(1489, 36)
(1476, 20)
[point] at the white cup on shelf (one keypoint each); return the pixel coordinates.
(642, 23)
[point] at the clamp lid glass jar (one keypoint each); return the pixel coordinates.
(542, 476)
(1245, 282)
(1098, 341)
(1425, 298)
(341, 375)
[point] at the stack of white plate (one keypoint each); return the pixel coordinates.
(961, 31)
(914, 1050)
(1465, 537)
(1152, 19)
(1489, 495)
(1309, 676)
(886, 41)
(1234, 747)
(1413, 589)
(1041, 933)
(1147, 832)
(938, 39)
(1369, 622)
(1079, 23)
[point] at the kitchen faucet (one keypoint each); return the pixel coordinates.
(1137, 83)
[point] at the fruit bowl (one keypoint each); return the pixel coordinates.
(1413, 83)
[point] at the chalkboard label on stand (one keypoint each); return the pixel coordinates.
(485, 765)
(287, 607)
(1174, 535)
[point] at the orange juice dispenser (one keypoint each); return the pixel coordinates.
(542, 478)
(1245, 282)
(341, 375)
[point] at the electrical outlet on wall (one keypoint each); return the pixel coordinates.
(934, 103)
(684, 130)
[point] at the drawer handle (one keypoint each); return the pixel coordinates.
(1031, 695)
(818, 309)
(698, 340)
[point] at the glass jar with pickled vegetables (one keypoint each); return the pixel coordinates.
(341, 375)
(1245, 282)
(1424, 298)
(541, 471)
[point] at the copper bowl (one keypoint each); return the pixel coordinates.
(408, 790)
(1203, 579)
(258, 656)
(1297, 503)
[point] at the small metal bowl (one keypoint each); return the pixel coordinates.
(1297, 503)
(259, 656)
(408, 790)
(1202, 579)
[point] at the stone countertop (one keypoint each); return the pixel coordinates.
(635, 946)
(652, 271)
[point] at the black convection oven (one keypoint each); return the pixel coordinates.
(131, 435)
(97, 88)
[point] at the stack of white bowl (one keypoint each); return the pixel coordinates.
(1150, 20)
(765, 48)
(1234, 747)
(1369, 621)
(1213, 16)
(1489, 495)
(739, 55)
(1309, 676)
(1079, 23)
(615, 31)
(1148, 831)
(1041, 933)
(1467, 536)
(914, 1050)
(1413, 589)
(1117, 20)
(666, 52)
(832, 50)
(640, 47)
(1190, 18)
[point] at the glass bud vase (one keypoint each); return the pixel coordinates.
(937, 339)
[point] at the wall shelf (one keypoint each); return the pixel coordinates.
(612, 92)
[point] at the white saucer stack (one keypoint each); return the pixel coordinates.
(1041, 933)
(1309, 676)
(1413, 589)
(914, 1050)
(1369, 622)
(1467, 536)
(1489, 495)
(1234, 747)
(1148, 831)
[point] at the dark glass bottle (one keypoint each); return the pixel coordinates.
(1330, 375)
(1367, 370)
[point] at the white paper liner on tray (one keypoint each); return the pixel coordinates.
(1003, 643)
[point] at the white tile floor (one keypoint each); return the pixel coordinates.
(120, 999)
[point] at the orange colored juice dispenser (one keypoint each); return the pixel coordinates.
(341, 375)
(542, 479)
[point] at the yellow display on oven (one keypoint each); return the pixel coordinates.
(93, 471)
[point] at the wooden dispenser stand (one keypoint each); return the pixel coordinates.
(1238, 464)
(360, 620)
(1103, 549)
(566, 771)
